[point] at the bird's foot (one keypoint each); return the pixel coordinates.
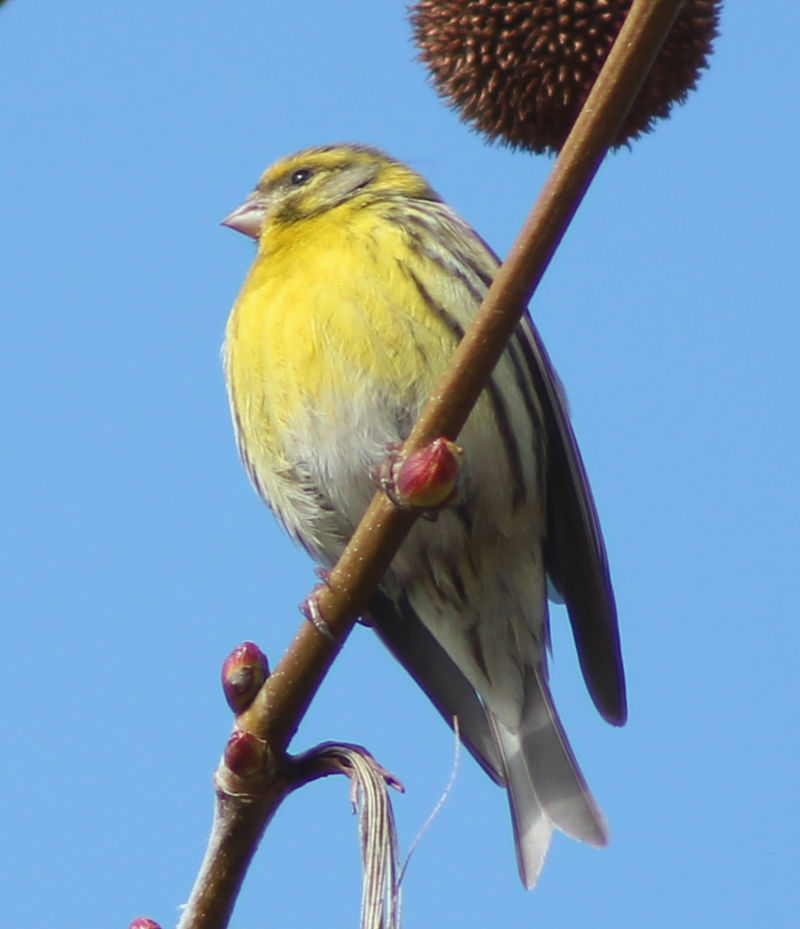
(311, 609)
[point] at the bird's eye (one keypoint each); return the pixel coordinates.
(300, 176)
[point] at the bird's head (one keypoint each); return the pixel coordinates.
(320, 179)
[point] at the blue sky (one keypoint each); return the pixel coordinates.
(136, 555)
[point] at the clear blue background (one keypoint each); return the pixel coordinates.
(136, 555)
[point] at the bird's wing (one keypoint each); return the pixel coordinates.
(575, 554)
(401, 630)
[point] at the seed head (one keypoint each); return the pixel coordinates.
(520, 70)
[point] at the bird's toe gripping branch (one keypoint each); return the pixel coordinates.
(425, 480)
(311, 609)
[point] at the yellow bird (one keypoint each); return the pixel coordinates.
(363, 283)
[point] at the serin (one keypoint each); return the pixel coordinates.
(363, 283)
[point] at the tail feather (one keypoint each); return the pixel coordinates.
(545, 786)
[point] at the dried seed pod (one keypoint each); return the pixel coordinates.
(520, 70)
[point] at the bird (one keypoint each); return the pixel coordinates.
(364, 281)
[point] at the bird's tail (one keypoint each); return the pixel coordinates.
(545, 786)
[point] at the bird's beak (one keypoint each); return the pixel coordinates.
(249, 217)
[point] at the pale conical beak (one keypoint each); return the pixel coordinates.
(247, 218)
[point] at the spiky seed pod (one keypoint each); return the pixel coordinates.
(520, 70)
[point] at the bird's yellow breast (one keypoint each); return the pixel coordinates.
(329, 317)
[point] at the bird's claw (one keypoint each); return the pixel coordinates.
(311, 609)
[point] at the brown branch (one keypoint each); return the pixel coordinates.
(244, 809)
